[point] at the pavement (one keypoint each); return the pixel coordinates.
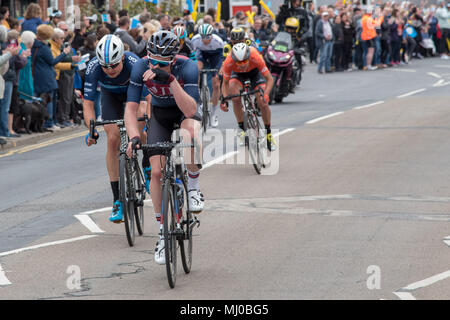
(358, 207)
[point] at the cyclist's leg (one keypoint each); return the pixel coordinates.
(236, 86)
(190, 129)
(265, 113)
(112, 109)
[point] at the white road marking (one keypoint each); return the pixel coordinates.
(439, 83)
(434, 75)
(368, 105)
(97, 210)
(47, 244)
(88, 223)
(405, 295)
(411, 93)
(324, 117)
(428, 281)
(403, 70)
(3, 279)
(232, 153)
(447, 242)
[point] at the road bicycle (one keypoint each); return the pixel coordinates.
(177, 218)
(255, 138)
(131, 181)
(205, 97)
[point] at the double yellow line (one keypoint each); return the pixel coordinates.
(45, 144)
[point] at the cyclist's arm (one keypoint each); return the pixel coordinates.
(269, 83)
(134, 93)
(187, 97)
(90, 91)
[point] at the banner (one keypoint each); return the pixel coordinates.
(267, 9)
(218, 11)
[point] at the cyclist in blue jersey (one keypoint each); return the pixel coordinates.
(172, 82)
(111, 70)
(209, 48)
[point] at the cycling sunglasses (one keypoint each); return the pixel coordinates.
(242, 63)
(207, 37)
(110, 66)
(155, 62)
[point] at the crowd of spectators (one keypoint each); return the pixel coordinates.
(46, 57)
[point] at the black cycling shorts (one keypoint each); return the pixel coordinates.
(161, 125)
(113, 105)
(255, 78)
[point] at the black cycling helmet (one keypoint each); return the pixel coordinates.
(237, 34)
(163, 44)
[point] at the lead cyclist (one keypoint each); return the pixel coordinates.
(172, 82)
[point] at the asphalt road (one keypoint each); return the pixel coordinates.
(357, 205)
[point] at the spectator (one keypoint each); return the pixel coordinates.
(122, 33)
(396, 37)
(324, 42)
(368, 38)
(443, 16)
(349, 34)
(25, 77)
(10, 99)
(32, 18)
(101, 32)
(55, 18)
(4, 11)
(257, 30)
(15, 25)
(43, 64)
(144, 18)
(338, 45)
(123, 13)
(164, 20)
(112, 25)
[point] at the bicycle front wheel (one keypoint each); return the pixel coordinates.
(126, 199)
(169, 229)
(187, 222)
(205, 102)
(255, 140)
(139, 189)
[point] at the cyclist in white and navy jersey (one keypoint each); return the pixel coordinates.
(172, 82)
(209, 47)
(111, 70)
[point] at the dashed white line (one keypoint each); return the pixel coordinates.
(3, 279)
(434, 75)
(47, 244)
(439, 83)
(405, 295)
(89, 223)
(428, 281)
(411, 93)
(368, 105)
(324, 117)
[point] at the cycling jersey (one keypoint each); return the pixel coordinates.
(216, 44)
(95, 76)
(255, 66)
(188, 50)
(228, 46)
(183, 69)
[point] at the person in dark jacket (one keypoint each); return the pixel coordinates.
(349, 33)
(42, 68)
(32, 18)
(338, 45)
(294, 10)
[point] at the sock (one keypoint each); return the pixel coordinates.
(115, 190)
(214, 110)
(268, 130)
(145, 160)
(241, 125)
(193, 180)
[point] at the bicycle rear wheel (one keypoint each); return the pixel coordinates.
(139, 188)
(255, 138)
(187, 225)
(169, 229)
(205, 102)
(125, 182)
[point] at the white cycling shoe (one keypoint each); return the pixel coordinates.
(214, 118)
(160, 255)
(196, 201)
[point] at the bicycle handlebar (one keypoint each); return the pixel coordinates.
(166, 146)
(93, 123)
(243, 93)
(208, 70)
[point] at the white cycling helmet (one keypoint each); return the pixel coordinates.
(205, 29)
(109, 50)
(240, 52)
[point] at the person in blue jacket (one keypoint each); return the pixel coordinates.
(32, 18)
(42, 68)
